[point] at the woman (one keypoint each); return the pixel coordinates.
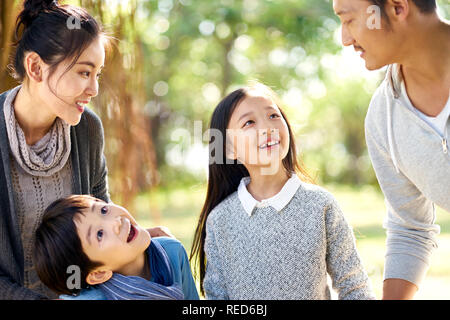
(51, 145)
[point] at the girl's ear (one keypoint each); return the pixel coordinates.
(98, 276)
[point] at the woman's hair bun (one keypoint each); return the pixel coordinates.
(32, 8)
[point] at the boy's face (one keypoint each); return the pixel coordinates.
(110, 235)
(367, 31)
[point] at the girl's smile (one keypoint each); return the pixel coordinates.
(269, 144)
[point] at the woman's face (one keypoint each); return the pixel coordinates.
(110, 235)
(65, 94)
(257, 134)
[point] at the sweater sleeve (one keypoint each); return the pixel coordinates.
(213, 284)
(411, 231)
(344, 265)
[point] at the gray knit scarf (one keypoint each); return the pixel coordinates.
(48, 155)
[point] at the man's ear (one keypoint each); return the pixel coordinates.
(98, 276)
(398, 9)
(34, 66)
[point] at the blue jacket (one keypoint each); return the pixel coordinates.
(181, 269)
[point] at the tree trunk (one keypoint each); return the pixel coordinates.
(8, 13)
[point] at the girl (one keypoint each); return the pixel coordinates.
(265, 231)
(51, 145)
(101, 245)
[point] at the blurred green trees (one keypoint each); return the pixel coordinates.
(174, 59)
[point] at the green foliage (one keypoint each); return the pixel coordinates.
(197, 51)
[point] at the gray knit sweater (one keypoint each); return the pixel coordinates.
(41, 173)
(283, 255)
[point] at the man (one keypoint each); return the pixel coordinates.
(407, 127)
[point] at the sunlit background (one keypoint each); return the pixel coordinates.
(172, 62)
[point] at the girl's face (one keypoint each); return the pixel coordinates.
(257, 133)
(110, 235)
(65, 94)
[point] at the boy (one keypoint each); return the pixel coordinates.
(111, 253)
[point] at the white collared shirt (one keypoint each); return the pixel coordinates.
(278, 201)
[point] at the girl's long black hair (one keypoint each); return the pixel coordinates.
(224, 176)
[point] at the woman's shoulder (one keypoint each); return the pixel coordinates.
(91, 119)
(90, 128)
(3, 96)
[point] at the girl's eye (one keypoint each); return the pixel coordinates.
(99, 235)
(104, 210)
(276, 115)
(85, 74)
(248, 122)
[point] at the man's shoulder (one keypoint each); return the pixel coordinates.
(376, 117)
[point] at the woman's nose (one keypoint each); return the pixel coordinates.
(92, 89)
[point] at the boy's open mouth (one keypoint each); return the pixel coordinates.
(133, 233)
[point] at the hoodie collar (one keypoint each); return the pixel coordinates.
(395, 78)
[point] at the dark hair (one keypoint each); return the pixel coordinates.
(425, 6)
(55, 32)
(224, 177)
(58, 246)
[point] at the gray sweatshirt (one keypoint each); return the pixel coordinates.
(411, 160)
(282, 247)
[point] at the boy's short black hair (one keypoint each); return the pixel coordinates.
(58, 246)
(425, 6)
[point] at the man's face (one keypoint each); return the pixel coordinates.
(365, 30)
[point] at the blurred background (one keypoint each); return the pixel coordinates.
(171, 63)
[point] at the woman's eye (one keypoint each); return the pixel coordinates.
(104, 210)
(274, 115)
(99, 235)
(85, 74)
